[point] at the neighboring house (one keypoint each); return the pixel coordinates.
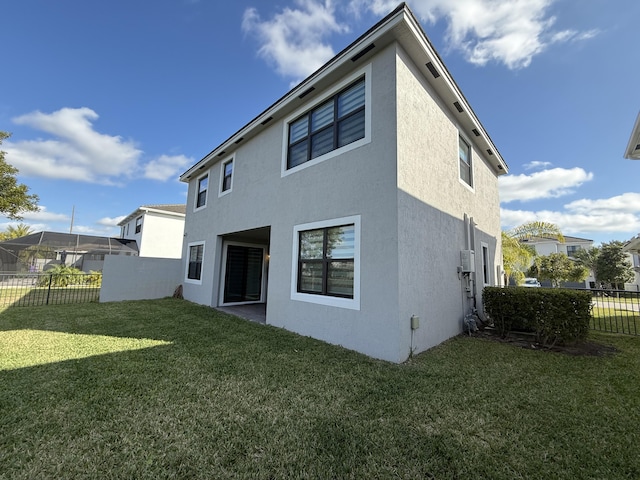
(547, 246)
(632, 248)
(157, 229)
(362, 207)
(633, 147)
(43, 250)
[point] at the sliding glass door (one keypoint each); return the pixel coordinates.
(243, 274)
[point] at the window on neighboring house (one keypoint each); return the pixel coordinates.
(572, 249)
(227, 176)
(464, 150)
(138, 224)
(335, 123)
(201, 199)
(326, 261)
(194, 267)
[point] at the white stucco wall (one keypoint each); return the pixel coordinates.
(139, 278)
(162, 236)
(432, 204)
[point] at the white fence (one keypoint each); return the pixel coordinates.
(139, 278)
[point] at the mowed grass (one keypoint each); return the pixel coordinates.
(220, 397)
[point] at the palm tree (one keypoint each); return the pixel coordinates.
(516, 255)
(20, 230)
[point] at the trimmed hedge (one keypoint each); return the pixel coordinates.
(554, 315)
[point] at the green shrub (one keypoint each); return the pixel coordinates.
(555, 316)
(93, 278)
(62, 276)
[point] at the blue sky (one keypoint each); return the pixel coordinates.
(109, 102)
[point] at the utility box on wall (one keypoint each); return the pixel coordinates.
(468, 258)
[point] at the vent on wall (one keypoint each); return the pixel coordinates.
(266, 120)
(489, 151)
(221, 153)
(239, 140)
(476, 132)
(362, 52)
(458, 106)
(432, 69)
(306, 92)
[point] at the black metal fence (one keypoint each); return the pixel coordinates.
(32, 289)
(616, 311)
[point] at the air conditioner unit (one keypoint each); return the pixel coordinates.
(468, 258)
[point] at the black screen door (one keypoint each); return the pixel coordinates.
(243, 278)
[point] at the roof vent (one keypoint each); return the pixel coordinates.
(432, 69)
(306, 92)
(489, 151)
(222, 153)
(266, 120)
(638, 146)
(476, 132)
(362, 52)
(239, 140)
(458, 106)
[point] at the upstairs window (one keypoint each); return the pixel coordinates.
(201, 199)
(335, 123)
(138, 224)
(466, 170)
(227, 176)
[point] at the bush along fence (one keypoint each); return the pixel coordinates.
(61, 286)
(554, 316)
(561, 314)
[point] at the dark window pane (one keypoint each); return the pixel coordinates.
(311, 244)
(341, 242)
(299, 129)
(322, 116)
(195, 261)
(311, 277)
(465, 172)
(351, 99)
(202, 191)
(228, 172)
(351, 129)
(340, 278)
(298, 154)
(322, 142)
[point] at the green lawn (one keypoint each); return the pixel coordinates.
(167, 389)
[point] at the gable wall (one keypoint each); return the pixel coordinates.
(432, 203)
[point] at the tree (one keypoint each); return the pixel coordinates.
(612, 265)
(558, 268)
(516, 255)
(14, 199)
(588, 259)
(20, 230)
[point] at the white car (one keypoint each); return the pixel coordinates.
(530, 282)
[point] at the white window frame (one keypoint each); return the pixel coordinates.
(471, 162)
(197, 191)
(231, 160)
(366, 71)
(350, 303)
(486, 263)
(186, 269)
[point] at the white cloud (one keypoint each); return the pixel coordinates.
(552, 183)
(78, 152)
(511, 32)
(111, 222)
(166, 167)
(619, 214)
(294, 40)
(535, 165)
(44, 215)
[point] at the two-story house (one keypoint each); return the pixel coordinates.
(157, 229)
(361, 207)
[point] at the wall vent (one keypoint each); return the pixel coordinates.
(266, 120)
(476, 132)
(239, 140)
(362, 52)
(489, 151)
(306, 92)
(458, 106)
(432, 69)
(221, 153)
